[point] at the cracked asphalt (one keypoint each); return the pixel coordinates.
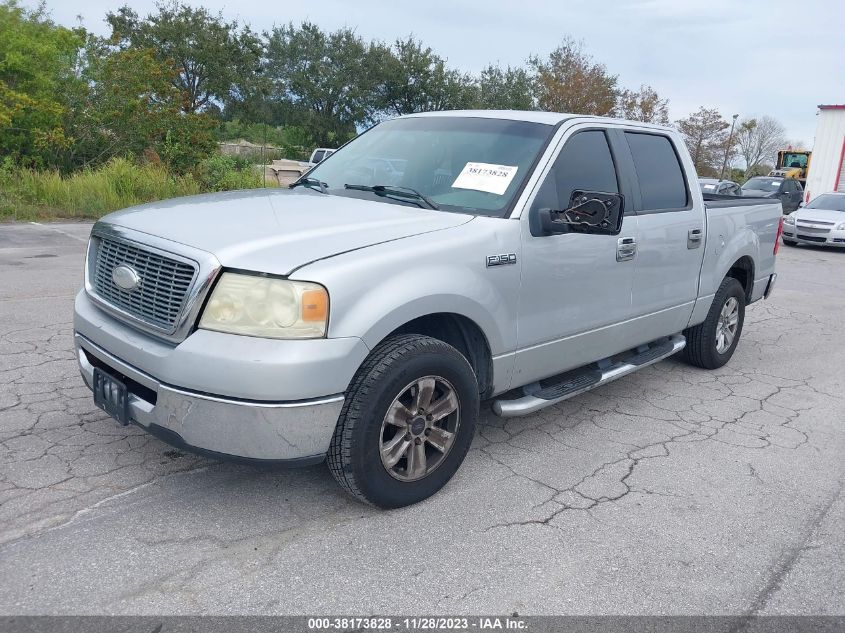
(672, 491)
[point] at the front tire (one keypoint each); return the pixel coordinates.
(712, 343)
(789, 242)
(407, 422)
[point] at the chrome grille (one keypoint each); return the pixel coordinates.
(160, 296)
(821, 222)
(814, 228)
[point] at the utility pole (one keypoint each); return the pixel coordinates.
(728, 148)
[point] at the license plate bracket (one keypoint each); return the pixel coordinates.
(111, 395)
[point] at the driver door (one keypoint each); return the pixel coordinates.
(576, 287)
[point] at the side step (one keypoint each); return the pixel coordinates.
(586, 378)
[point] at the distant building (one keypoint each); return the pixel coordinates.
(827, 167)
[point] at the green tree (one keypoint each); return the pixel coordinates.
(216, 60)
(571, 81)
(506, 88)
(415, 79)
(133, 108)
(643, 105)
(705, 133)
(329, 76)
(37, 64)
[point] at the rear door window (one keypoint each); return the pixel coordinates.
(663, 186)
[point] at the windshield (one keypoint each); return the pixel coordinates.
(829, 202)
(762, 184)
(791, 159)
(464, 164)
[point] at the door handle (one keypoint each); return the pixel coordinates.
(694, 237)
(626, 249)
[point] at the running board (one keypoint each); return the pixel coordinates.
(589, 377)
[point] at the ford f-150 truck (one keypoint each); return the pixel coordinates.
(519, 258)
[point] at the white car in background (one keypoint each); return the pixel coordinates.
(719, 187)
(821, 222)
(320, 154)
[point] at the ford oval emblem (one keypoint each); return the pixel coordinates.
(125, 277)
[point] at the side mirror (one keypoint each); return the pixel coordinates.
(593, 212)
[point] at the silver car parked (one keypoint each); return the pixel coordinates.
(821, 222)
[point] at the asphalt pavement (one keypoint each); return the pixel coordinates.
(672, 491)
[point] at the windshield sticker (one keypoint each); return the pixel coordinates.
(485, 177)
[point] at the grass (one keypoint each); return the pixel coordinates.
(30, 195)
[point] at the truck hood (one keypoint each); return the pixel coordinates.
(278, 230)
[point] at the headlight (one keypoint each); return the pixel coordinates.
(267, 307)
(789, 219)
(840, 226)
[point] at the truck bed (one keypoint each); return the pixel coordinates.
(739, 227)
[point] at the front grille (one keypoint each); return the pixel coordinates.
(820, 222)
(813, 230)
(160, 296)
(812, 238)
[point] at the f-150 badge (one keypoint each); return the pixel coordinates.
(501, 260)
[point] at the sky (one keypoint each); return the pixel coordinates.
(746, 57)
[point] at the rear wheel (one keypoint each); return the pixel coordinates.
(712, 343)
(407, 422)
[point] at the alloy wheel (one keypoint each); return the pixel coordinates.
(727, 325)
(419, 428)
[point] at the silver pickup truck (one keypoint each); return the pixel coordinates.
(513, 257)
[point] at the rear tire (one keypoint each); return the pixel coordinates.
(395, 444)
(712, 343)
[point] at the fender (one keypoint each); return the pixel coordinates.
(374, 291)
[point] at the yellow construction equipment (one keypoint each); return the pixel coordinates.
(793, 163)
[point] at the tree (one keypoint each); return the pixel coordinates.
(759, 139)
(796, 144)
(705, 133)
(570, 81)
(643, 105)
(216, 60)
(415, 79)
(505, 89)
(330, 76)
(133, 107)
(37, 63)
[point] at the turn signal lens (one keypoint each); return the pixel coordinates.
(315, 305)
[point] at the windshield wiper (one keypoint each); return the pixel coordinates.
(311, 183)
(397, 192)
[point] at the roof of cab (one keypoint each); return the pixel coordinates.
(549, 118)
(531, 116)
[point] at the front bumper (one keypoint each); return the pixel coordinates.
(264, 431)
(833, 238)
(225, 394)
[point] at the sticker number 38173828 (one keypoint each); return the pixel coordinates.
(485, 177)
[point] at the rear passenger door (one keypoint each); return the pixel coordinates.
(670, 234)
